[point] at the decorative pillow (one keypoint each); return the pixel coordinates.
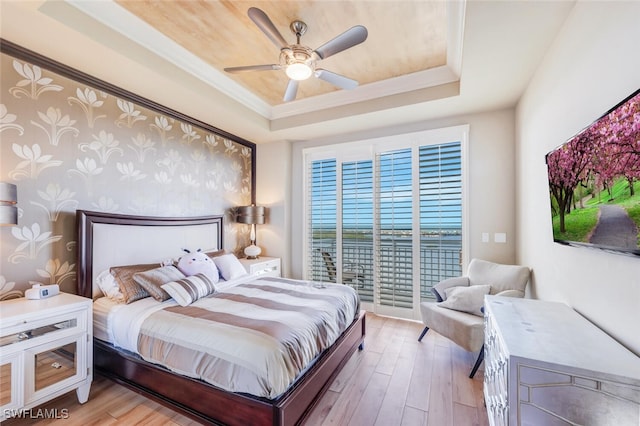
(187, 290)
(198, 263)
(466, 299)
(109, 286)
(216, 253)
(440, 289)
(153, 279)
(229, 266)
(131, 290)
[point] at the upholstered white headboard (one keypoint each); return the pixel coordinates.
(106, 240)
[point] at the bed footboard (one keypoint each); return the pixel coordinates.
(206, 403)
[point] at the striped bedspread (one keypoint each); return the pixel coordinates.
(255, 337)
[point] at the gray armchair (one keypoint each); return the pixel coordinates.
(458, 315)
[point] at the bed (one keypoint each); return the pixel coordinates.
(106, 240)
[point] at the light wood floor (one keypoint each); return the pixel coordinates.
(395, 381)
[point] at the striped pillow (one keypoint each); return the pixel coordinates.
(153, 280)
(123, 275)
(187, 290)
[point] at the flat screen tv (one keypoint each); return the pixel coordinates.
(594, 182)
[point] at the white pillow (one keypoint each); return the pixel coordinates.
(109, 286)
(229, 266)
(187, 290)
(466, 299)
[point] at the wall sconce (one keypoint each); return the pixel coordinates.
(8, 200)
(251, 215)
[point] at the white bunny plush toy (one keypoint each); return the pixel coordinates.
(198, 263)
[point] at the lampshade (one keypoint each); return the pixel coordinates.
(252, 215)
(8, 199)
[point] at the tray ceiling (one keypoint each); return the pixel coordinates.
(419, 48)
(222, 35)
(188, 43)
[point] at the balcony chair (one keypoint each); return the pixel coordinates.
(457, 314)
(353, 274)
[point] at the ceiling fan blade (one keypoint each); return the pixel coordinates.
(270, 67)
(292, 91)
(351, 37)
(336, 79)
(266, 26)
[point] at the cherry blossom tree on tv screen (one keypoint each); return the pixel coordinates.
(604, 152)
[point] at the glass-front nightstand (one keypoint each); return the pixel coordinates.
(263, 266)
(45, 350)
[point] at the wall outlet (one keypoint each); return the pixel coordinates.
(485, 237)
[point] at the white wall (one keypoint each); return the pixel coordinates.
(593, 64)
(491, 182)
(273, 190)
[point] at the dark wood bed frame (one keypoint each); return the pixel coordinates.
(195, 398)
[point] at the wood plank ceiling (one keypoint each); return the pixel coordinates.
(404, 37)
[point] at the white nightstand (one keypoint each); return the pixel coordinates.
(263, 266)
(46, 350)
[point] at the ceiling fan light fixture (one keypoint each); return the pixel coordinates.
(299, 61)
(299, 71)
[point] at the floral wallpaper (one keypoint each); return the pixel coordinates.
(69, 146)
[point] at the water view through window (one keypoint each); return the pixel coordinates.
(364, 216)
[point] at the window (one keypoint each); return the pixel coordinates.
(387, 220)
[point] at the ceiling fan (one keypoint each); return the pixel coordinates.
(299, 61)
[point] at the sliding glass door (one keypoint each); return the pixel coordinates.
(357, 227)
(322, 214)
(441, 214)
(388, 222)
(394, 230)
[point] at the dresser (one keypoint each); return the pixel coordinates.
(546, 365)
(45, 351)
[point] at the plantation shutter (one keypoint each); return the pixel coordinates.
(357, 226)
(440, 214)
(394, 228)
(322, 215)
